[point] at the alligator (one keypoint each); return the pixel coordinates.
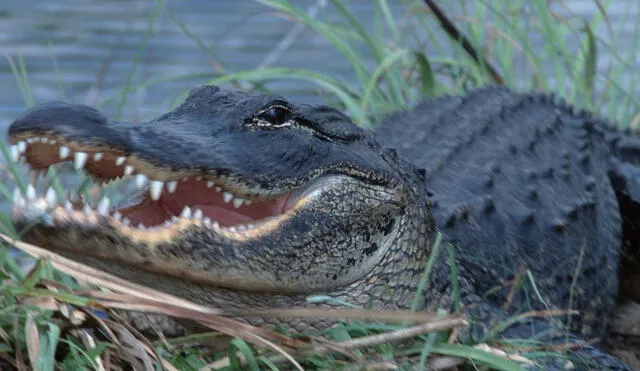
(252, 201)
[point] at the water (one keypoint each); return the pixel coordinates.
(95, 42)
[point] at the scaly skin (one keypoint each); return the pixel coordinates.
(525, 177)
(357, 225)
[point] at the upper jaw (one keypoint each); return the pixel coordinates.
(207, 136)
(243, 172)
(248, 165)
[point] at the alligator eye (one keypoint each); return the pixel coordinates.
(276, 115)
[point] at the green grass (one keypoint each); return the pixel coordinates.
(33, 333)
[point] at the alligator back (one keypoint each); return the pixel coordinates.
(520, 180)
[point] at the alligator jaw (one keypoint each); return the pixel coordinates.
(151, 227)
(165, 196)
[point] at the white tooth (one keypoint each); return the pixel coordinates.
(52, 141)
(207, 221)
(237, 202)
(226, 196)
(120, 160)
(197, 214)
(232, 229)
(96, 179)
(167, 223)
(186, 213)
(117, 216)
(128, 170)
(14, 153)
(86, 209)
(174, 218)
(248, 202)
(249, 226)
(35, 176)
(172, 186)
(80, 158)
(198, 178)
(141, 180)
(64, 152)
(126, 221)
(215, 225)
(218, 189)
(210, 184)
(156, 189)
(18, 200)
(241, 227)
(31, 140)
(22, 146)
(98, 156)
(44, 140)
(103, 206)
(31, 192)
(141, 227)
(68, 206)
(51, 197)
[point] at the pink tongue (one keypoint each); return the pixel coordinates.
(198, 196)
(212, 206)
(224, 217)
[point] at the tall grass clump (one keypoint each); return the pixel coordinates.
(49, 320)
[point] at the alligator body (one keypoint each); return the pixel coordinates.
(287, 200)
(522, 180)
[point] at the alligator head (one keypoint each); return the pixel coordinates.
(244, 202)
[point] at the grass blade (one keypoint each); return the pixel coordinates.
(494, 361)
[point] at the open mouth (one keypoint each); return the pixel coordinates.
(164, 196)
